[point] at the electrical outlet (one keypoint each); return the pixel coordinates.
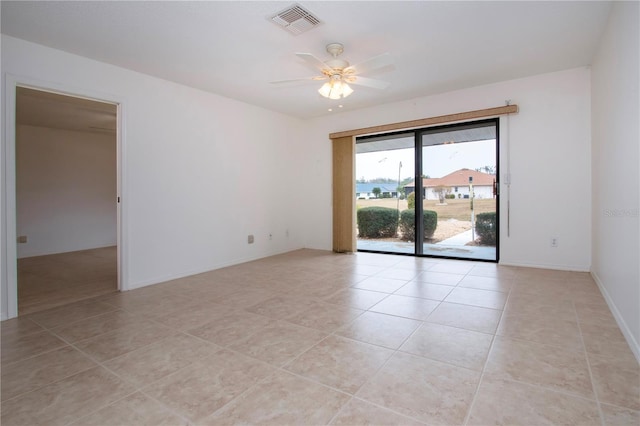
(22, 239)
(270, 236)
(250, 239)
(554, 241)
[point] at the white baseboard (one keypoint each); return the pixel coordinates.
(212, 267)
(633, 343)
(574, 268)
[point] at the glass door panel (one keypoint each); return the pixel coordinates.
(458, 187)
(384, 165)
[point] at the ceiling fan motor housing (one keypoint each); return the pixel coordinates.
(335, 49)
(337, 64)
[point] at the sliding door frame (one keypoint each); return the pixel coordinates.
(347, 136)
(419, 189)
(419, 209)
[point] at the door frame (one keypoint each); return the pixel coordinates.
(419, 156)
(9, 258)
(418, 148)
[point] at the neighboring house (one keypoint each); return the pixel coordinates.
(458, 182)
(365, 190)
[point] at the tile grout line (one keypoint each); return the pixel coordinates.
(486, 361)
(337, 413)
(586, 357)
(395, 351)
(99, 364)
(281, 368)
(398, 350)
(382, 365)
(275, 369)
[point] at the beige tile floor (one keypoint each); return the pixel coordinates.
(53, 280)
(312, 337)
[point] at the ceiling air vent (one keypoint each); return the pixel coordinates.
(295, 19)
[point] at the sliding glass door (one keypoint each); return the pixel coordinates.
(384, 165)
(459, 190)
(430, 192)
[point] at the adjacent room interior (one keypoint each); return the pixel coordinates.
(225, 214)
(66, 202)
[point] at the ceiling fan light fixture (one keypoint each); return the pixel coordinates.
(335, 89)
(325, 90)
(346, 90)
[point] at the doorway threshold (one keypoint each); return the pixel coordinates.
(483, 253)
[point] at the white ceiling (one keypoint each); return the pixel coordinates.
(232, 49)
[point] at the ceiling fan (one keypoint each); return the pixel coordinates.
(339, 74)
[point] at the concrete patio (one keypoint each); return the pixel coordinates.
(451, 247)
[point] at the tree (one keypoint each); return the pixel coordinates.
(406, 181)
(400, 190)
(382, 180)
(487, 169)
(411, 201)
(442, 191)
(376, 191)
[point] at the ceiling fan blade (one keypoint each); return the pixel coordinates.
(368, 82)
(371, 64)
(312, 61)
(299, 80)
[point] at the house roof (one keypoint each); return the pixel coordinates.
(457, 178)
(368, 187)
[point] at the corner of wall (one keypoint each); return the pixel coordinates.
(628, 334)
(615, 106)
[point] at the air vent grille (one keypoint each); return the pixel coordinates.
(295, 19)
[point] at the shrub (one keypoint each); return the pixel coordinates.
(411, 201)
(408, 220)
(430, 222)
(486, 228)
(450, 196)
(377, 222)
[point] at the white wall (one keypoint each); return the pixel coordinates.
(550, 163)
(616, 180)
(65, 190)
(179, 142)
(179, 145)
(478, 192)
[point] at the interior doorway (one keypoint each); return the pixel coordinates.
(66, 192)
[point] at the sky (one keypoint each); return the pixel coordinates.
(438, 160)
